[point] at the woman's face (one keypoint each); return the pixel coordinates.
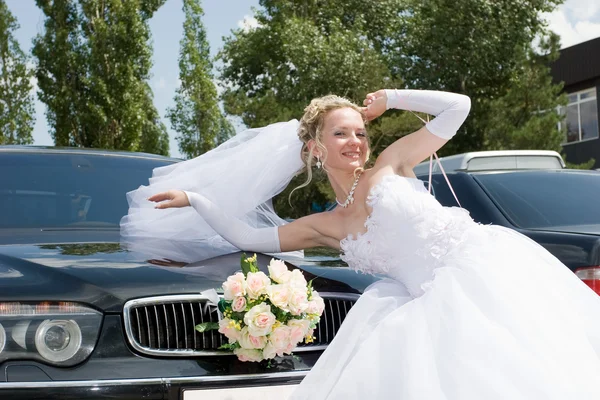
(345, 138)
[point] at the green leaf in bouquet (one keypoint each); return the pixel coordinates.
(309, 288)
(207, 326)
(238, 316)
(224, 305)
(248, 264)
(229, 346)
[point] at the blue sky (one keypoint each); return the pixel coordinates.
(575, 20)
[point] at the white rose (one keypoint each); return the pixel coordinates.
(280, 339)
(248, 341)
(227, 328)
(259, 319)
(297, 279)
(269, 351)
(256, 284)
(298, 302)
(234, 286)
(316, 305)
(279, 271)
(279, 296)
(248, 355)
(298, 330)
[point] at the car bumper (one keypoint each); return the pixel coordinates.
(206, 387)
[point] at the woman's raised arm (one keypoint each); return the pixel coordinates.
(450, 109)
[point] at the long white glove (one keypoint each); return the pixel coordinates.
(236, 232)
(450, 109)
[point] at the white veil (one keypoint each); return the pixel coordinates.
(241, 175)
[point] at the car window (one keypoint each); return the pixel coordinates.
(60, 190)
(545, 200)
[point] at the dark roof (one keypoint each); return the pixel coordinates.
(78, 150)
(578, 63)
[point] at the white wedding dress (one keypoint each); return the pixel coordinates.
(467, 311)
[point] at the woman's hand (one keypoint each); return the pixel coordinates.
(375, 104)
(176, 198)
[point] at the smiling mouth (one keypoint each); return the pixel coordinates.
(352, 154)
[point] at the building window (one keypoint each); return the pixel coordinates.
(581, 119)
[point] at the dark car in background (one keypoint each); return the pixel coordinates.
(82, 316)
(557, 208)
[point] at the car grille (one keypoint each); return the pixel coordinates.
(165, 325)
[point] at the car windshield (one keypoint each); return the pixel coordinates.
(68, 189)
(543, 200)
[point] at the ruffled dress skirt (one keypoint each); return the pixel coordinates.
(500, 319)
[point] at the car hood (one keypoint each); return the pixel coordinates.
(106, 274)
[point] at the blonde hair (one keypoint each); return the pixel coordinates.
(311, 125)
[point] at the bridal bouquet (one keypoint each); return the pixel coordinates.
(266, 316)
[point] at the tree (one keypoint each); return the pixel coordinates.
(94, 61)
(300, 51)
(196, 115)
(16, 102)
(119, 61)
(526, 116)
(60, 70)
(473, 47)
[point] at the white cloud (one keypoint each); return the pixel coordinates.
(575, 21)
(248, 23)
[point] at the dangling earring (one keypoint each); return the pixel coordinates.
(318, 164)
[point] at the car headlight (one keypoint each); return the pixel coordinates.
(2, 338)
(62, 333)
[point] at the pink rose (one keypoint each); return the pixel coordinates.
(234, 286)
(280, 339)
(247, 341)
(316, 305)
(259, 320)
(279, 271)
(238, 304)
(298, 330)
(248, 355)
(256, 284)
(298, 302)
(227, 328)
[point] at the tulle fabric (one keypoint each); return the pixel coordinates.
(241, 175)
(493, 316)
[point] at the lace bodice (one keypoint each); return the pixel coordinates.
(409, 233)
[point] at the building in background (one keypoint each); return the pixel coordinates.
(579, 68)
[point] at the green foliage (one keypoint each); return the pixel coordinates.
(196, 115)
(207, 326)
(61, 69)
(230, 346)
(17, 114)
(470, 46)
(525, 116)
(94, 61)
(298, 52)
(589, 164)
(248, 264)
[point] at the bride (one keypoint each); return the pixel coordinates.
(466, 311)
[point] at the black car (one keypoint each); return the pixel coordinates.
(84, 316)
(558, 209)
